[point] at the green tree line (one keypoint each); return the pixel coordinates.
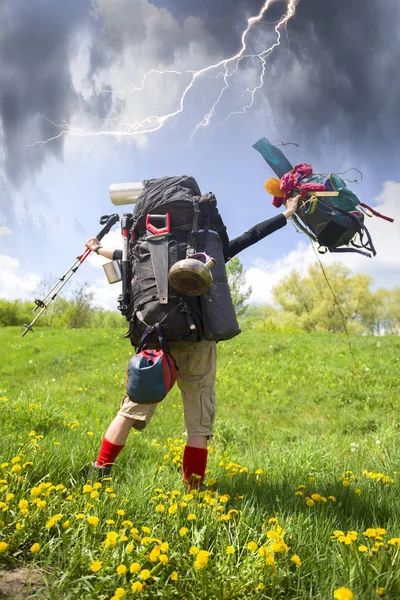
(310, 302)
(76, 312)
(319, 301)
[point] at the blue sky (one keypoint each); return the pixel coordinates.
(331, 86)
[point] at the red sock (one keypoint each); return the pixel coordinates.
(108, 453)
(194, 465)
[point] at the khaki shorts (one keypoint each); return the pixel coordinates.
(196, 381)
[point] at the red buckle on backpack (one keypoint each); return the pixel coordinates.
(156, 230)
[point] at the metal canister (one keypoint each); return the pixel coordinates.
(113, 271)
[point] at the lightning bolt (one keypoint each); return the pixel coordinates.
(227, 67)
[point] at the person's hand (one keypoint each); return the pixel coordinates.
(93, 243)
(291, 205)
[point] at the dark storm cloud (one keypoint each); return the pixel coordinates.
(337, 75)
(36, 42)
(347, 54)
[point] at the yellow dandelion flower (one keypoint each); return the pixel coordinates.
(261, 586)
(65, 525)
(230, 550)
(252, 546)
(144, 575)
(310, 502)
(370, 532)
(193, 550)
(183, 531)
(96, 566)
(172, 509)
(110, 522)
(93, 521)
(16, 468)
(135, 567)
(279, 547)
(119, 593)
(146, 529)
(380, 591)
(9, 497)
(137, 587)
(79, 516)
(225, 498)
(121, 512)
(295, 559)
(174, 576)
(3, 547)
(332, 498)
(163, 558)
(127, 523)
(343, 593)
(191, 517)
(23, 504)
(121, 569)
(35, 492)
(201, 559)
(154, 554)
(94, 494)
(87, 489)
(362, 548)
(160, 508)
(259, 472)
(35, 548)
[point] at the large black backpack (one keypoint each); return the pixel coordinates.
(171, 220)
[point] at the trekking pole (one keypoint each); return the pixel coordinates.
(108, 221)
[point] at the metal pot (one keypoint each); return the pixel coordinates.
(191, 276)
(113, 271)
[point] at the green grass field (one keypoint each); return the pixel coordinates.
(302, 495)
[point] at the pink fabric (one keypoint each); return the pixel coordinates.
(292, 180)
(278, 201)
(312, 186)
(289, 181)
(303, 169)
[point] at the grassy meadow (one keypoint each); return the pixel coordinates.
(302, 497)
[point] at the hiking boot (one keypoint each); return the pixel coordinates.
(96, 472)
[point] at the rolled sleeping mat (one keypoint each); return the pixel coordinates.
(125, 193)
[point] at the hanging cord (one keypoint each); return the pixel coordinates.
(280, 143)
(344, 173)
(352, 180)
(339, 309)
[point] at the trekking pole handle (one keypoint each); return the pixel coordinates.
(108, 221)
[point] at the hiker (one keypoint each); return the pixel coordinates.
(196, 362)
(233, 247)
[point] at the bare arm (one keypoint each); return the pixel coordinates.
(291, 206)
(94, 245)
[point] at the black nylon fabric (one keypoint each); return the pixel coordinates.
(184, 317)
(166, 194)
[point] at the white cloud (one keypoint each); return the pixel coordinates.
(13, 283)
(105, 294)
(5, 230)
(384, 268)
